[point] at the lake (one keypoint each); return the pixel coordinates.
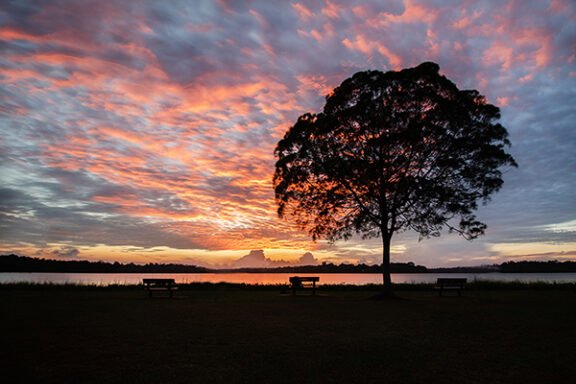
(273, 278)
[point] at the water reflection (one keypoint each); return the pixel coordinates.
(272, 278)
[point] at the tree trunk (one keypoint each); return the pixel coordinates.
(387, 279)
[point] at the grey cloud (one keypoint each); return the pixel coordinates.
(16, 13)
(83, 21)
(183, 61)
(307, 259)
(82, 228)
(67, 214)
(66, 251)
(185, 56)
(257, 259)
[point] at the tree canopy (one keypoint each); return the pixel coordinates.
(390, 152)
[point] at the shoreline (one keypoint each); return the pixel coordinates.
(477, 285)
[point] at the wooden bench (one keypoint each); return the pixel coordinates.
(160, 285)
(299, 282)
(450, 284)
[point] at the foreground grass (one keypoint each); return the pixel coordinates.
(235, 334)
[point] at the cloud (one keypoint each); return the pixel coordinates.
(307, 259)
(257, 259)
(66, 252)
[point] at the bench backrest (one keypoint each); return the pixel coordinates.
(298, 279)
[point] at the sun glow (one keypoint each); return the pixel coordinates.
(535, 250)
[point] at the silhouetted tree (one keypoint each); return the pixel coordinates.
(390, 152)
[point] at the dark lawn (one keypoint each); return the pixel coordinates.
(233, 335)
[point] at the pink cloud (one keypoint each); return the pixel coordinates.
(413, 13)
(303, 12)
(318, 83)
(503, 101)
(369, 48)
(500, 55)
(332, 10)
(559, 6)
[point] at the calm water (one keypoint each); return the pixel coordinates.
(272, 278)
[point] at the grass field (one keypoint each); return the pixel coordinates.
(227, 334)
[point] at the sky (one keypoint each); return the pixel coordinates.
(144, 131)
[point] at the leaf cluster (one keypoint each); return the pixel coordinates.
(390, 152)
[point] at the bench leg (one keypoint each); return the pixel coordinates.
(442, 290)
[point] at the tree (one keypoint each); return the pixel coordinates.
(390, 152)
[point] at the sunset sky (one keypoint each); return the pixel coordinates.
(144, 131)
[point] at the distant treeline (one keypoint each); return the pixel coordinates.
(333, 268)
(552, 266)
(478, 269)
(15, 263)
